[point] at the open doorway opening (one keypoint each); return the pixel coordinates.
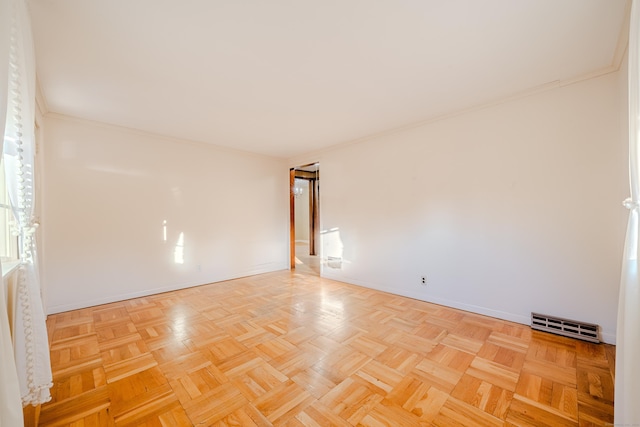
(305, 217)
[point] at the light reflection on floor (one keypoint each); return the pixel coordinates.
(305, 263)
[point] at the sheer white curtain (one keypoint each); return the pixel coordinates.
(29, 329)
(10, 405)
(627, 393)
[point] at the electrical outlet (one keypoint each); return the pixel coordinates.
(423, 280)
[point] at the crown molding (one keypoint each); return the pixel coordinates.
(623, 39)
(317, 154)
(157, 136)
(41, 101)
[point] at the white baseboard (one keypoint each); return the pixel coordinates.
(158, 290)
(607, 336)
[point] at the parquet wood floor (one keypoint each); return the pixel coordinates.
(294, 349)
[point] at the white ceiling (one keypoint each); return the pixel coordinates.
(285, 77)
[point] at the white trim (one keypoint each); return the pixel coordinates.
(317, 154)
(623, 39)
(161, 289)
(607, 336)
(9, 267)
(42, 107)
(147, 134)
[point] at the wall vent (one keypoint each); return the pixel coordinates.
(565, 327)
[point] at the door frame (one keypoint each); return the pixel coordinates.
(314, 211)
(292, 220)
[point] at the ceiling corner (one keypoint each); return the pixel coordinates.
(41, 100)
(623, 38)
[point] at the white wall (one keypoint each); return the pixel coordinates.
(108, 191)
(509, 209)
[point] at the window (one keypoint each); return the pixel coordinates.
(8, 242)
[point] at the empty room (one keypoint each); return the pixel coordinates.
(251, 213)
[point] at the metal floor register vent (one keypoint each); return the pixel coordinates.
(568, 328)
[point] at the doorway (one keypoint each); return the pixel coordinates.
(304, 183)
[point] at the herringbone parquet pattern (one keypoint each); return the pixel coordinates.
(293, 349)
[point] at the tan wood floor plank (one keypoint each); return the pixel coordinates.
(455, 411)
(291, 348)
